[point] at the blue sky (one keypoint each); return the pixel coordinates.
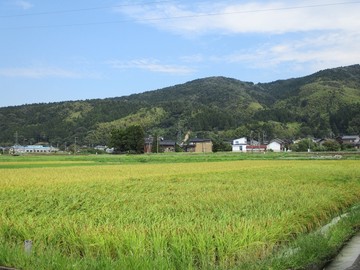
(68, 50)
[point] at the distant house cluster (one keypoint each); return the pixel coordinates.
(195, 145)
(32, 149)
(278, 145)
(350, 140)
(245, 145)
(104, 148)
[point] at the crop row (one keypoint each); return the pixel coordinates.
(173, 216)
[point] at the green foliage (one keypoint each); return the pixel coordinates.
(346, 120)
(128, 140)
(304, 146)
(324, 103)
(221, 146)
(331, 145)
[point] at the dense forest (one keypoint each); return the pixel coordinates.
(324, 104)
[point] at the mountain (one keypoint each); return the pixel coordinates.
(326, 103)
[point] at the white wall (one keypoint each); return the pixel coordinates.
(242, 140)
(239, 148)
(274, 146)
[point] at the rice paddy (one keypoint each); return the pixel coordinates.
(191, 215)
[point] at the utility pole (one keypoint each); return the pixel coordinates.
(16, 138)
(157, 144)
(75, 146)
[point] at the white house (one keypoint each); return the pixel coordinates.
(239, 145)
(275, 145)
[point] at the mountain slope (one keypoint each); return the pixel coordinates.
(322, 104)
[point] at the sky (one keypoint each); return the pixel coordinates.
(54, 51)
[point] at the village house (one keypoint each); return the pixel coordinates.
(167, 146)
(350, 139)
(276, 145)
(243, 145)
(239, 145)
(198, 145)
(163, 145)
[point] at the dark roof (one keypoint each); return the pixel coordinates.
(196, 140)
(349, 137)
(167, 143)
(148, 140)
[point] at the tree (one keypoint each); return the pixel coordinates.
(128, 140)
(135, 139)
(118, 140)
(331, 145)
(221, 146)
(303, 145)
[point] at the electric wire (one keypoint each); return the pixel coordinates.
(82, 9)
(170, 17)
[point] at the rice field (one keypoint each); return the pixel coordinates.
(192, 215)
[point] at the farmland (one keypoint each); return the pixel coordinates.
(142, 213)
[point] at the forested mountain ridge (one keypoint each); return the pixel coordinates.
(326, 103)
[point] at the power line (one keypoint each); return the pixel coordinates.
(80, 9)
(178, 17)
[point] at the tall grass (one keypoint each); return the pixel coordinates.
(213, 215)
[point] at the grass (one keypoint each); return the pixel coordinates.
(125, 213)
(61, 160)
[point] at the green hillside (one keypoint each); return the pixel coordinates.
(326, 103)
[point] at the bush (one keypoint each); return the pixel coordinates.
(331, 145)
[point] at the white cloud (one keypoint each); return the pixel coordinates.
(196, 58)
(315, 52)
(151, 65)
(42, 72)
(24, 4)
(252, 17)
(312, 34)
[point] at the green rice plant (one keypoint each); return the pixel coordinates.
(192, 215)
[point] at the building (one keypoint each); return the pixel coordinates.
(198, 145)
(148, 145)
(167, 146)
(276, 145)
(163, 145)
(239, 145)
(100, 147)
(256, 148)
(350, 139)
(32, 149)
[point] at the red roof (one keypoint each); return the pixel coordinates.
(256, 146)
